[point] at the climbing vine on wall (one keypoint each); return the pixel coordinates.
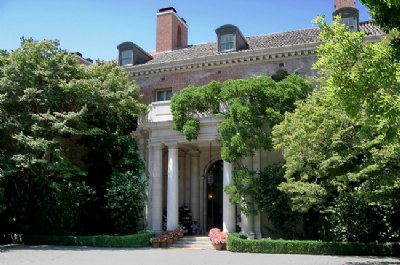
(250, 108)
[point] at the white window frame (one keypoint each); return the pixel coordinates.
(225, 40)
(126, 58)
(166, 94)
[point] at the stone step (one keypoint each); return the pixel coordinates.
(195, 239)
(193, 242)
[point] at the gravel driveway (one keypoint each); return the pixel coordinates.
(55, 255)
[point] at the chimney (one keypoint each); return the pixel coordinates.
(344, 3)
(172, 31)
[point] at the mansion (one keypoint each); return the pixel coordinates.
(191, 173)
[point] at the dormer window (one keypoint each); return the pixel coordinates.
(349, 16)
(227, 42)
(350, 22)
(131, 54)
(126, 58)
(230, 39)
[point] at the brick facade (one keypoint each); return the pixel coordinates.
(202, 76)
(344, 3)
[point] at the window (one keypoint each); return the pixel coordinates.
(126, 57)
(163, 95)
(350, 22)
(227, 42)
(230, 39)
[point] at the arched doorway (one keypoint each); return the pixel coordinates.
(214, 195)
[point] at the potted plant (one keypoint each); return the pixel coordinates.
(164, 240)
(171, 237)
(179, 231)
(155, 242)
(218, 239)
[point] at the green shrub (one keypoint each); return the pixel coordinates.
(126, 192)
(128, 241)
(354, 219)
(236, 244)
(61, 205)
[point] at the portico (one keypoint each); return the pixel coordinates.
(166, 194)
(179, 171)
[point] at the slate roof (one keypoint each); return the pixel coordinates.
(283, 39)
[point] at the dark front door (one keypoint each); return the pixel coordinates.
(214, 195)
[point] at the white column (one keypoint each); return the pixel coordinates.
(257, 217)
(229, 218)
(195, 189)
(181, 179)
(247, 221)
(188, 169)
(149, 157)
(173, 188)
(156, 208)
(201, 205)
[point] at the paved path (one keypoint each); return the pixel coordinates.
(52, 255)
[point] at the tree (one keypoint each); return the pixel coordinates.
(126, 192)
(385, 13)
(49, 104)
(249, 107)
(344, 139)
(258, 191)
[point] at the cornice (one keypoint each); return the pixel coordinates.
(234, 58)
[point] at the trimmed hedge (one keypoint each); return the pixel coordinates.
(238, 244)
(128, 241)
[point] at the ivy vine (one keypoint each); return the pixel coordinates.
(251, 107)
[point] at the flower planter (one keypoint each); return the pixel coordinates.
(164, 244)
(219, 246)
(155, 244)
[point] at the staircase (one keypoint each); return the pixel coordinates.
(193, 242)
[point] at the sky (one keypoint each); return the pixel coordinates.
(96, 27)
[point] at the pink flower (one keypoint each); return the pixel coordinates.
(217, 237)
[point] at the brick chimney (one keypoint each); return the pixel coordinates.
(344, 3)
(172, 31)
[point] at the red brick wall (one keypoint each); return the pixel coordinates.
(179, 80)
(167, 32)
(344, 3)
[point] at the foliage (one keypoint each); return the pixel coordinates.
(248, 106)
(128, 241)
(243, 190)
(236, 244)
(258, 191)
(343, 141)
(125, 195)
(344, 138)
(385, 13)
(49, 105)
(2, 205)
(60, 207)
(363, 78)
(355, 220)
(185, 219)
(275, 203)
